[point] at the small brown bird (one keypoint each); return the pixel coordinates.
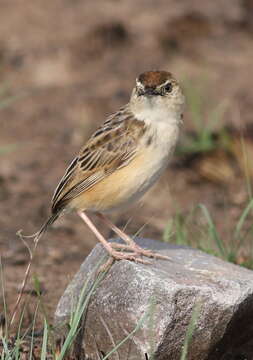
(123, 159)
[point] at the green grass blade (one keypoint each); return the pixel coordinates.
(18, 341)
(44, 341)
(190, 330)
(213, 232)
(5, 354)
(76, 321)
(137, 327)
(33, 329)
(79, 311)
(168, 231)
(148, 315)
(4, 297)
(152, 327)
(242, 218)
(246, 161)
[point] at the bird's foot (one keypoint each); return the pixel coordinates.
(124, 252)
(139, 251)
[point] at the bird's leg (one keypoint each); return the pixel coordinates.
(131, 244)
(117, 255)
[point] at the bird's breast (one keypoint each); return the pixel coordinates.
(129, 183)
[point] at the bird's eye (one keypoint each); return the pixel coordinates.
(168, 87)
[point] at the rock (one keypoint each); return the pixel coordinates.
(165, 292)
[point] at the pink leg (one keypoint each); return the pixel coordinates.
(132, 246)
(117, 255)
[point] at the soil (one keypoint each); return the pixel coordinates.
(65, 66)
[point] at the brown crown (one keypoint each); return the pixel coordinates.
(154, 78)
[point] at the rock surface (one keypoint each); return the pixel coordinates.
(167, 292)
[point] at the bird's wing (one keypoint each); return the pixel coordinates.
(111, 147)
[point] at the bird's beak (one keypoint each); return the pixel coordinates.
(150, 91)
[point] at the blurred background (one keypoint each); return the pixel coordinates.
(66, 65)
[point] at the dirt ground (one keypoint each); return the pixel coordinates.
(65, 66)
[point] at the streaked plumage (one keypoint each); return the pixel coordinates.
(110, 148)
(124, 157)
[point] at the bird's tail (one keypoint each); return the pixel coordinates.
(36, 237)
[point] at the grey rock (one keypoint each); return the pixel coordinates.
(165, 293)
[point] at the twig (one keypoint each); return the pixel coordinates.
(27, 272)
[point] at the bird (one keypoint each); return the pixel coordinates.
(122, 159)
